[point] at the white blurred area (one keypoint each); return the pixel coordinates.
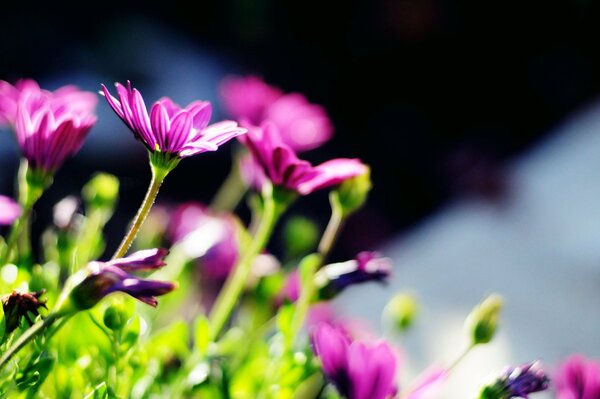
(540, 250)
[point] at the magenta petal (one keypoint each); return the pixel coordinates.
(9, 210)
(181, 129)
(148, 259)
(331, 173)
(201, 112)
(161, 124)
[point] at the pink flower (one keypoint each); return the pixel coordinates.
(168, 128)
(50, 126)
(209, 237)
(278, 163)
(9, 210)
(578, 378)
(302, 125)
(67, 97)
(358, 370)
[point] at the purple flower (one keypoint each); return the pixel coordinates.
(517, 382)
(301, 125)
(334, 278)
(102, 278)
(357, 370)
(9, 210)
(209, 237)
(170, 129)
(278, 163)
(578, 378)
(50, 126)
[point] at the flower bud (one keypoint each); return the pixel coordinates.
(18, 305)
(482, 322)
(353, 192)
(115, 316)
(400, 311)
(101, 191)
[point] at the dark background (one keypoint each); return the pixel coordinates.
(435, 95)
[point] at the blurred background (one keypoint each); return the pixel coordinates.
(479, 120)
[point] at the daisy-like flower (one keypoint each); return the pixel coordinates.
(276, 162)
(99, 279)
(358, 370)
(170, 129)
(578, 378)
(9, 210)
(49, 126)
(301, 125)
(517, 382)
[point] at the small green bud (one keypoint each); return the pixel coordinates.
(301, 236)
(101, 191)
(401, 311)
(115, 316)
(352, 193)
(482, 322)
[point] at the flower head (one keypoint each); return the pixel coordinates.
(517, 382)
(169, 129)
(578, 378)
(356, 369)
(50, 126)
(9, 210)
(18, 305)
(277, 162)
(209, 237)
(368, 266)
(301, 125)
(99, 279)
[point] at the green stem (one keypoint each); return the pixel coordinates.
(116, 341)
(231, 191)
(332, 230)
(27, 336)
(14, 234)
(158, 176)
(231, 291)
(461, 357)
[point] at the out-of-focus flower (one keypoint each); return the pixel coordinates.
(99, 279)
(335, 277)
(65, 98)
(50, 126)
(278, 163)
(482, 322)
(18, 305)
(578, 378)
(169, 129)
(517, 382)
(400, 312)
(357, 370)
(301, 125)
(9, 210)
(209, 237)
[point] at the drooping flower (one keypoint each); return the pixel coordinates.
(301, 125)
(209, 237)
(99, 279)
(277, 162)
(9, 210)
(335, 277)
(358, 370)
(169, 129)
(18, 305)
(50, 126)
(517, 382)
(578, 378)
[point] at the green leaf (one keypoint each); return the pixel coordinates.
(202, 334)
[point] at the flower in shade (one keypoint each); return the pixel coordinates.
(18, 305)
(169, 129)
(335, 277)
(209, 237)
(49, 126)
(578, 378)
(277, 162)
(358, 370)
(301, 125)
(9, 210)
(99, 279)
(517, 382)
